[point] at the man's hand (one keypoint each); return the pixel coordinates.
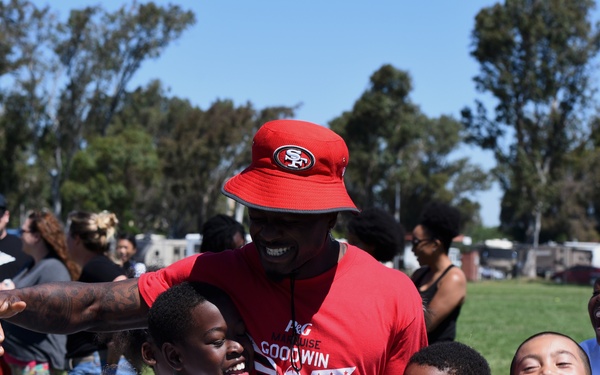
(9, 306)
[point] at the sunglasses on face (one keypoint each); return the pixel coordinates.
(416, 241)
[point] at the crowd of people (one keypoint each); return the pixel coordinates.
(287, 302)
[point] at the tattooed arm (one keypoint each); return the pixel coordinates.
(72, 306)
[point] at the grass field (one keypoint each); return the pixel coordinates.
(498, 315)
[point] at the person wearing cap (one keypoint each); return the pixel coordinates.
(12, 257)
(311, 303)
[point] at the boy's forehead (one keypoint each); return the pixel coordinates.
(546, 344)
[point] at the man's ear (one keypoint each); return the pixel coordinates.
(172, 356)
(148, 354)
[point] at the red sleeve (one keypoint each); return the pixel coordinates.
(409, 340)
(151, 284)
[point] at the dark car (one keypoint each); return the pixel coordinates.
(583, 275)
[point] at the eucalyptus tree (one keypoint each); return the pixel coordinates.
(24, 31)
(400, 158)
(535, 59)
(76, 74)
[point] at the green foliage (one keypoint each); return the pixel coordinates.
(202, 150)
(113, 173)
(394, 147)
(535, 59)
(498, 315)
(72, 77)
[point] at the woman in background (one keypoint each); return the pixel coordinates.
(88, 240)
(126, 249)
(29, 352)
(443, 287)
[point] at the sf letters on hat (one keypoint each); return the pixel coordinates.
(294, 158)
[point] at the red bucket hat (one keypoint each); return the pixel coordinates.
(297, 167)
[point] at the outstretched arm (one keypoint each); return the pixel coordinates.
(72, 306)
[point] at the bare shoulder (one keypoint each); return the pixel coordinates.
(454, 278)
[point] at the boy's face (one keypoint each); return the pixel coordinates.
(549, 354)
(594, 309)
(207, 350)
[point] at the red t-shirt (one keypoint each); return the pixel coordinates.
(359, 317)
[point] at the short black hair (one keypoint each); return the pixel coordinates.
(169, 317)
(582, 354)
(129, 237)
(379, 228)
(441, 221)
(452, 357)
(218, 232)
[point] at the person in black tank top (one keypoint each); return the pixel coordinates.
(443, 287)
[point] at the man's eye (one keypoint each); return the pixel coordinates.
(218, 343)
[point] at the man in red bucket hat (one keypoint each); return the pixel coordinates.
(312, 305)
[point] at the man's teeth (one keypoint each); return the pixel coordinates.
(239, 367)
(275, 252)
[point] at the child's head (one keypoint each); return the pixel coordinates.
(194, 328)
(594, 309)
(447, 358)
(553, 351)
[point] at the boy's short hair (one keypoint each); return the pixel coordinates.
(452, 357)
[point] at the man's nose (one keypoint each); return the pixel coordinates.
(270, 231)
(234, 347)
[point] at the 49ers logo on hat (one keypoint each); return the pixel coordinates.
(294, 158)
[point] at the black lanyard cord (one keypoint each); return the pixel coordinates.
(296, 365)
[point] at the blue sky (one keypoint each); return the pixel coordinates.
(321, 54)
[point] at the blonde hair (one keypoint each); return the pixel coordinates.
(96, 230)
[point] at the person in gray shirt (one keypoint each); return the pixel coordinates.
(44, 240)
